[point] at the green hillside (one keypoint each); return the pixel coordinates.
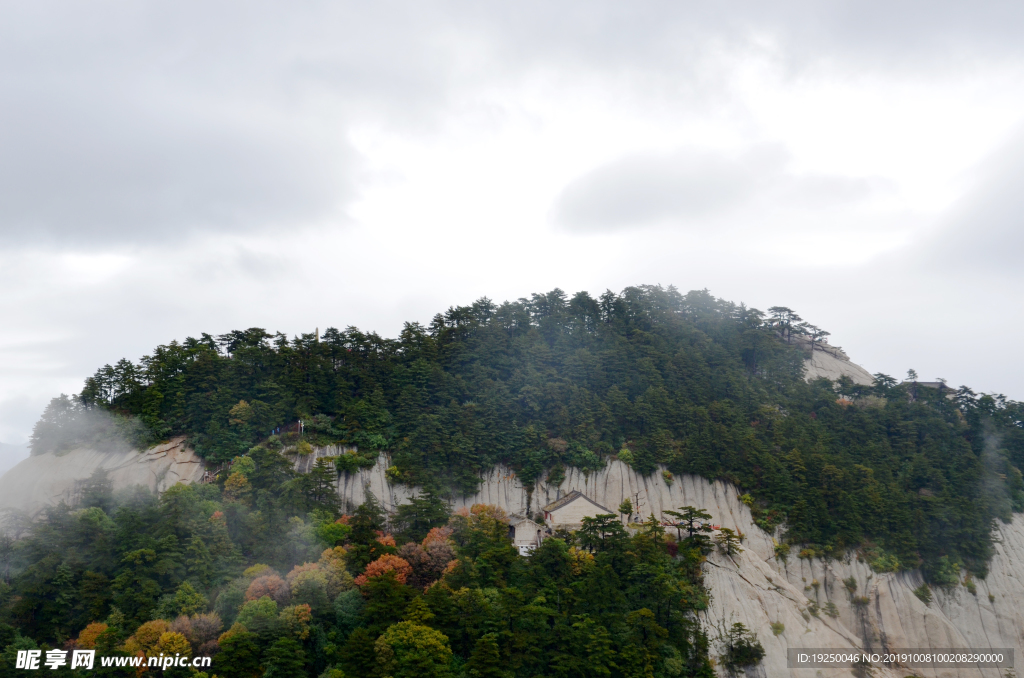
(654, 376)
(261, 571)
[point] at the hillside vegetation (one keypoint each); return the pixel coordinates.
(266, 577)
(911, 474)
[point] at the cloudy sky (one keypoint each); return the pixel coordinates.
(173, 168)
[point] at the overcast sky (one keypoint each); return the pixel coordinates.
(168, 169)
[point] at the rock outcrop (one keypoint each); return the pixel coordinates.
(759, 590)
(50, 478)
(830, 362)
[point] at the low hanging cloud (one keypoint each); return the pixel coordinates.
(694, 188)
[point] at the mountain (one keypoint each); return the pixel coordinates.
(868, 512)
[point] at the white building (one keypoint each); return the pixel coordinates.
(526, 535)
(569, 511)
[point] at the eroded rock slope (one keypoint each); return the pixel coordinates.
(48, 479)
(759, 590)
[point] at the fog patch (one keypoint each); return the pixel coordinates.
(1000, 481)
(67, 424)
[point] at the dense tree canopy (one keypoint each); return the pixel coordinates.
(269, 584)
(915, 474)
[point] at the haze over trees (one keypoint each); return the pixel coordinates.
(277, 582)
(650, 375)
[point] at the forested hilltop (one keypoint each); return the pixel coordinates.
(914, 475)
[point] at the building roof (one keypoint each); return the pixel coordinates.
(570, 498)
(519, 520)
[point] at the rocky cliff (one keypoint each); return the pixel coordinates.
(830, 362)
(50, 478)
(759, 590)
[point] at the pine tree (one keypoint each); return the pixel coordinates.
(199, 562)
(485, 662)
(284, 659)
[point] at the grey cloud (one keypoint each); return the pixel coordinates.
(984, 232)
(671, 38)
(693, 188)
(128, 122)
(71, 176)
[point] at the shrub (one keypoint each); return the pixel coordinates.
(778, 628)
(943, 572)
(924, 593)
(880, 561)
(556, 476)
(831, 609)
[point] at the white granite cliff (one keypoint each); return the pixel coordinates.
(823, 360)
(755, 588)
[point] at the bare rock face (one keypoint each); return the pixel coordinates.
(48, 479)
(830, 362)
(758, 589)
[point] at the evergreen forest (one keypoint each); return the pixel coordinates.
(909, 474)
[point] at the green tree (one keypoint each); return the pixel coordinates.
(742, 648)
(136, 588)
(728, 541)
(689, 517)
(409, 650)
(185, 601)
(198, 562)
(386, 599)
(358, 654)
(412, 521)
(239, 654)
(486, 662)
(284, 659)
